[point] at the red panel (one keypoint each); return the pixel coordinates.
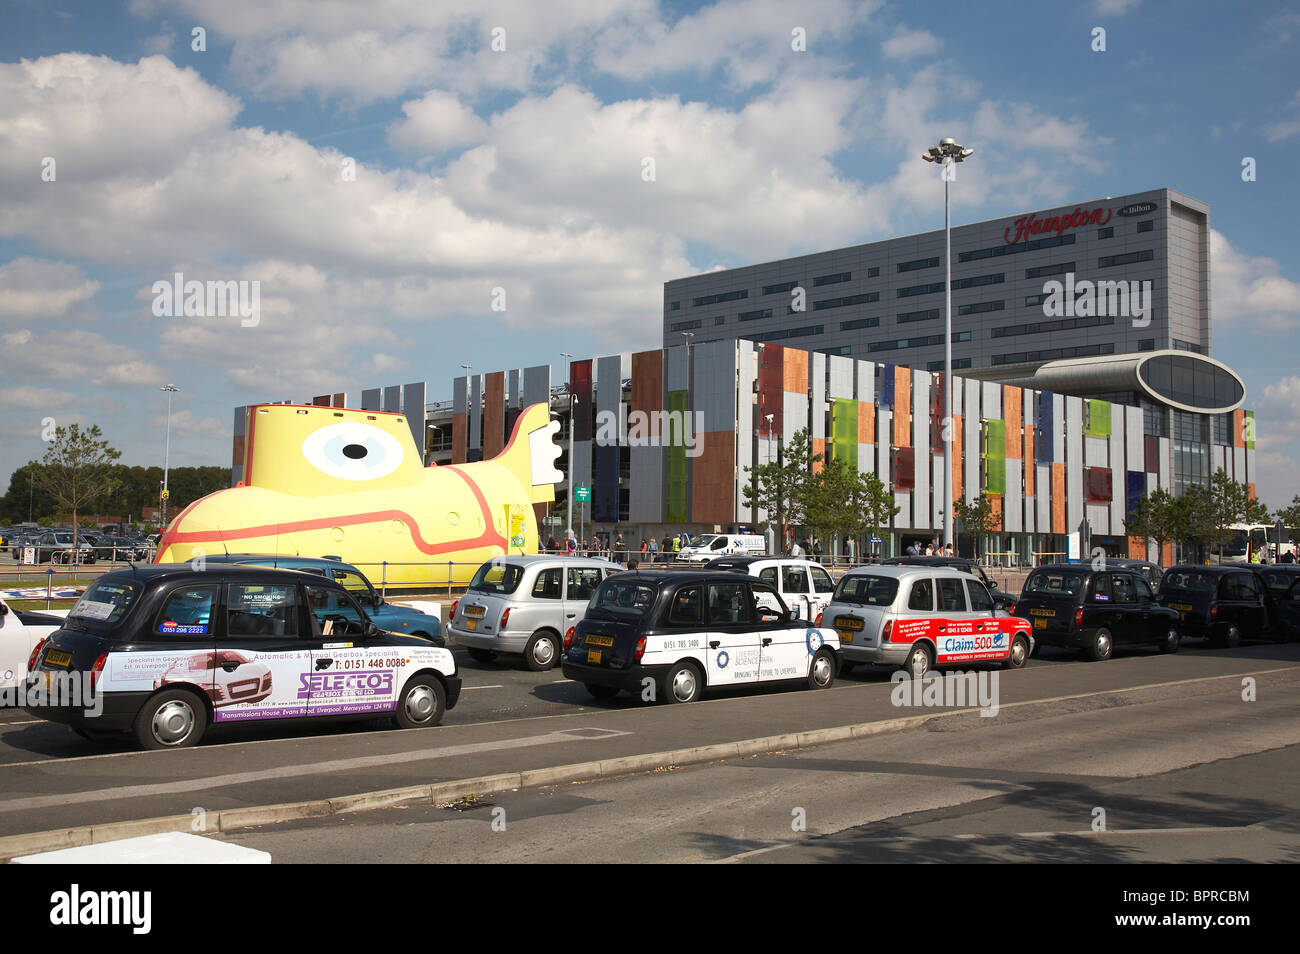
(1151, 447)
(580, 387)
(648, 387)
(321, 400)
(340, 399)
(1097, 484)
(713, 474)
(494, 414)
(771, 390)
(904, 468)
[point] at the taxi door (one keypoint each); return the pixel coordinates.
(734, 641)
(347, 676)
(261, 656)
(787, 642)
(796, 590)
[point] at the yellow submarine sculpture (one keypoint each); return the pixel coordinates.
(352, 484)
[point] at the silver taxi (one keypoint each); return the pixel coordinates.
(523, 605)
(919, 617)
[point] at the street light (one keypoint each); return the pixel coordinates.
(170, 389)
(948, 152)
(568, 387)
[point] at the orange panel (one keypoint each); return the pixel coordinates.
(902, 407)
(1137, 548)
(712, 475)
(1167, 555)
(819, 447)
(1029, 468)
(1014, 415)
(997, 512)
(1238, 428)
(1250, 491)
(866, 422)
(796, 371)
(1058, 498)
(237, 452)
(956, 458)
(648, 387)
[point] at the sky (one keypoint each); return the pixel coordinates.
(421, 184)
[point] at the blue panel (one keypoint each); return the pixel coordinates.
(1137, 486)
(1045, 431)
(604, 496)
(886, 396)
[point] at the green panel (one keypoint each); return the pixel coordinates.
(1098, 419)
(844, 431)
(1250, 430)
(676, 510)
(995, 457)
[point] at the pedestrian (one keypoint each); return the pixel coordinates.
(571, 544)
(929, 549)
(796, 550)
(645, 547)
(550, 544)
(1288, 557)
(620, 548)
(654, 549)
(632, 564)
(848, 550)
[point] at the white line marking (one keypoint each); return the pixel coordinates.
(468, 688)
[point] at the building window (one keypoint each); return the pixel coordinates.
(1146, 226)
(900, 344)
(788, 333)
(1153, 419)
(980, 307)
(754, 315)
(675, 306)
(1108, 261)
(920, 290)
(873, 272)
(719, 320)
(833, 279)
(1042, 270)
(1181, 345)
(841, 350)
(1222, 424)
(1054, 354)
(850, 300)
(957, 364)
(926, 315)
(1107, 232)
(996, 279)
(918, 263)
(1041, 327)
(783, 287)
(1147, 344)
(723, 296)
(997, 251)
(859, 323)
(686, 325)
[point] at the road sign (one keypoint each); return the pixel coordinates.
(582, 494)
(165, 495)
(876, 540)
(29, 555)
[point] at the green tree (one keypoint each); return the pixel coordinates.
(1155, 517)
(781, 487)
(839, 500)
(977, 517)
(78, 469)
(1230, 502)
(1290, 516)
(1195, 522)
(877, 505)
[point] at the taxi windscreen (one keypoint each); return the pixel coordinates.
(867, 590)
(623, 598)
(1193, 580)
(497, 578)
(1055, 583)
(105, 601)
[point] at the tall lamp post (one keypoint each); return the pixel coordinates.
(167, 450)
(948, 153)
(568, 503)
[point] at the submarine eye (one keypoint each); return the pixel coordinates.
(353, 451)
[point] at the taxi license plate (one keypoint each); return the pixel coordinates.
(594, 640)
(1180, 606)
(1042, 612)
(1040, 624)
(476, 611)
(846, 636)
(55, 658)
(593, 656)
(471, 624)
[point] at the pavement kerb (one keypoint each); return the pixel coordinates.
(12, 846)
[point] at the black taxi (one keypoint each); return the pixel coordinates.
(670, 635)
(1078, 606)
(1224, 604)
(169, 649)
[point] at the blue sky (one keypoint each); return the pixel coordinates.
(521, 169)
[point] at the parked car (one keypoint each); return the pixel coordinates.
(21, 634)
(1151, 572)
(804, 585)
(524, 605)
(1224, 604)
(173, 646)
(1283, 583)
(670, 635)
(1003, 600)
(56, 546)
(1074, 606)
(709, 546)
(920, 617)
(387, 616)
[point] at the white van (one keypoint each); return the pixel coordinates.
(710, 546)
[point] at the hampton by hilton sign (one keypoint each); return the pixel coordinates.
(1030, 225)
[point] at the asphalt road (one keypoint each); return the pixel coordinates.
(511, 720)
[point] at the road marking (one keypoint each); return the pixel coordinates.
(472, 688)
(310, 768)
(28, 722)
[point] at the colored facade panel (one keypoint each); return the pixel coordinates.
(371, 400)
(902, 407)
(676, 484)
(646, 477)
(1030, 468)
(580, 387)
(712, 479)
(771, 391)
(1097, 422)
(459, 438)
(1248, 425)
(995, 457)
(1014, 416)
(1097, 486)
(604, 494)
(1058, 498)
(1044, 428)
(845, 431)
(1135, 487)
(866, 422)
(996, 508)
(1239, 428)
(494, 414)
(886, 399)
(957, 458)
(903, 471)
(611, 432)
(796, 370)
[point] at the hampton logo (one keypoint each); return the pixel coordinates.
(55, 690)
(194, 299)
(653, 429)
(952, 689)
(77, 907)
(1103, 299)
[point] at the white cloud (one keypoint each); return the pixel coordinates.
(909, 43)
(31, 288)
(1250, 291)
(80, 357)
(34, 398)
(1115, 7)
(435, 123)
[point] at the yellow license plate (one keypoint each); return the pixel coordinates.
(593, 656)
(848, 622)
(476, 611)
(1180, 606)
(471, 624)
(600, 640)
(1040, 624)
(846, 636)
(1042, 612)
(55, 658)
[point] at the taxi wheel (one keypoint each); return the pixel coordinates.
(601, 692)
(681, 684)
(422, 703)
(919, 661)
(1019, 653)
(1230, 638)
(542, 651)
(1102, 645)
(1170, 643)
(482, 655)
(822, 671)
(175, 719)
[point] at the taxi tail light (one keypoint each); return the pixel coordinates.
(1011, 608)
(36, 652)
(505, 618)
(639, 651)
(1078, 616)
(97, 668)
(454, 604)
(568, 639)
(889, 628)
(1214, 611)
(819, 620)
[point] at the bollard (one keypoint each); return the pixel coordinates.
(449, 579)
(49, 579)
(383, 580)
